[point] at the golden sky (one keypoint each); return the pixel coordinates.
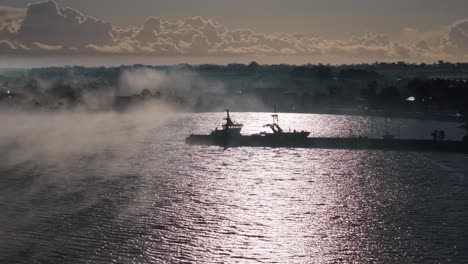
(295, 31)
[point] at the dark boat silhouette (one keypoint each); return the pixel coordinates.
(230, 128)
(230, 136)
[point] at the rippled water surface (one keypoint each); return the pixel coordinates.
(162, 201)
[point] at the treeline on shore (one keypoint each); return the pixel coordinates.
(399, 87)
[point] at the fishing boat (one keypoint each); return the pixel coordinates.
(230, 136)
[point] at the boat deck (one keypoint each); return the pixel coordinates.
(330, 143)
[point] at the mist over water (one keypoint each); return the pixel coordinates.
(57, 136)
(139, 194)
(97, 122)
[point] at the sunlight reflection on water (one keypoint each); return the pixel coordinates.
(174, 203)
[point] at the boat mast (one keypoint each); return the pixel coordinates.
(275, 116)
(229, 122)
(274, 126)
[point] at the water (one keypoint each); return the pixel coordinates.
(165, 202)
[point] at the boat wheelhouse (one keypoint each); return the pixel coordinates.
(230, 128)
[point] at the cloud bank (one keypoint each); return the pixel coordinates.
(47, 29)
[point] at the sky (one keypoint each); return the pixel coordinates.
(273, 31)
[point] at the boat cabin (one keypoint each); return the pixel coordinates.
(230, 128)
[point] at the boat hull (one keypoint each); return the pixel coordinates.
(328, 143)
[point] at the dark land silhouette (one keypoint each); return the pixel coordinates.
(435, 91)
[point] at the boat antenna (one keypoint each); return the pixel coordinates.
(275, 115)
(229, 122)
